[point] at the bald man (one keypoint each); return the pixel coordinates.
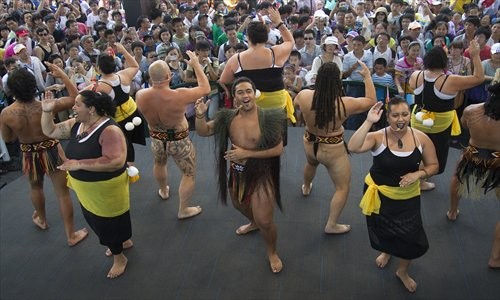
(164, 110)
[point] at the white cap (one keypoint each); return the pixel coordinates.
(495, 48)
(331, 40)
(18, 48)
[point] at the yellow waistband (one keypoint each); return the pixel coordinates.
(370, 203)
(278, 99)
(442, 120)
(125, 110)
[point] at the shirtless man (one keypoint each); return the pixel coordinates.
(324, 110)
(164, 110)
(256, 138)
(479, 169)
(41, 155)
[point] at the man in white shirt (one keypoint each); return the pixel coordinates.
(32, 64)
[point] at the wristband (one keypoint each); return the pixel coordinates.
(279, 25)
(200, 116)
(47, 111)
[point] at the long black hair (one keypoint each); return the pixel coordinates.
(492, 106)
(22, 84)
(327, 96)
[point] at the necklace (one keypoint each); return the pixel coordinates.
(400, 142)
(85, 133)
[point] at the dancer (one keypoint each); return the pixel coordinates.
(434, 92)
(96, 165)
(164, 109)
(391, 201)
(478, 170)
(254, 158)
(324, 109)
(40, 154)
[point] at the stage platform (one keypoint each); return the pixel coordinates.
(203, 258)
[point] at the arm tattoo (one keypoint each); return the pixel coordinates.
(64, 130)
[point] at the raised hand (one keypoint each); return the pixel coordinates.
(55, 70)
(474, 48)
(274, 15)
(200, 107)
(365, 72)
(48, 101)
(375, 112)
(193, 59)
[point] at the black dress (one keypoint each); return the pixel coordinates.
(397, 229)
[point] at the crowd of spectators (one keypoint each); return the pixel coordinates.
(390, 37)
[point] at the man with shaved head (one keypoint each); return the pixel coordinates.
(164, 110)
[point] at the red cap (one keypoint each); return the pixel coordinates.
(22, 32)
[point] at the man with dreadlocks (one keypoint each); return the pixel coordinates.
(479, 167)
(256, 146)
(324, 110)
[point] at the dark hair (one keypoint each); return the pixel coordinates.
(55, 56)
(299, 33)
(106, 63)
(102, 102)
(359, 38)
(257, 32)
(116, 13)
(296, 53)
(309, 31)
(395, 101)
(457, 44)
(136, 44)
(405, 16)
(22, 84)
(176, 20)
(228, 46)
(435, 59)
(303, 20)
(42, 29)
(240, 46)
(405, 38)
(241, 80)
(384, 34)
(155, 13)
(484, 31)
(166, 30)
(380, 61)
(474, 20)
(202, 45)
(492, 105)
(340, 28)
(328, 94)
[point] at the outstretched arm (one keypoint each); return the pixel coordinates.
(60, 131)
(362, 141)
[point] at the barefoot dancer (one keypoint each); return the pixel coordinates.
(324, 110)
(479, 169)
(391, 201)
(256, 140)
(164, 109)
(41, 155)
(96, 165)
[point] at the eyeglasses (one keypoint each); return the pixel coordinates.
(308, 38)
(43, 34)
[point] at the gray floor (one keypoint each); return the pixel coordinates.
(202, 258)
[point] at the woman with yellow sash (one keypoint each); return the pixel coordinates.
(435, 91)
(391, 201)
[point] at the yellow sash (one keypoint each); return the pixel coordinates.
(278, 99)
(442, 120)
(370, 203)
(125, 110)
(108, 198)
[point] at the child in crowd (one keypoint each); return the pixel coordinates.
(295, 59)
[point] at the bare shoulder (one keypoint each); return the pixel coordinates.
(421, 136)
(473, 108)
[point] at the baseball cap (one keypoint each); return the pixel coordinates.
(18, 48)
(320, 14)
(331, 40)
(199, 34)
(381, 10)
(414, 25)
(495, 48)
(352, 34)
(436, 2)
(22, 32)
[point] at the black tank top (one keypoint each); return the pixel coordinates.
(89, 148)
(46, 55)
(388, 168)
(120, 96)
(428, 98)
(267, 79)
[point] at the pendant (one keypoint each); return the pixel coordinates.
(85, 133)
(400, 144)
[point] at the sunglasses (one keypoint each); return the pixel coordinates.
(308, 38)
(43, 34)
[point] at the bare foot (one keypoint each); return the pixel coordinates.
(427, 186)
(244, 229)
(78, 236)
(452, 215)
(189, 212)
(42, 224)
(307, 190)
(494, 264)
(409, 283)
(275, 263)
(119, 264)
(382, 259)
(337, 229)
(127, 244)
(164, 193)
